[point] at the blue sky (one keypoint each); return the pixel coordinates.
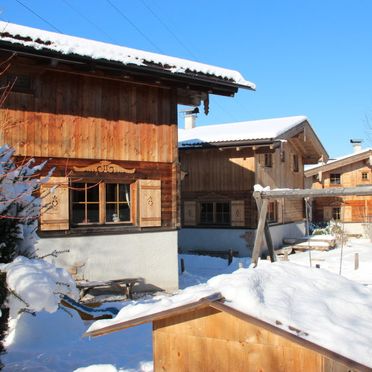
(310, 58)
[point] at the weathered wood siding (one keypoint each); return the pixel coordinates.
(282, 175)
(77, 116)
(352, 208)
(209, 340)
(77, 119)
(230, 174)
(214, 170)
(214, 175)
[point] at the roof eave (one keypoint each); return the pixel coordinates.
(213, 84)
(227, 144)
(338, 163)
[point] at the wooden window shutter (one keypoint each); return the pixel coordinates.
(327, 213)
(237, 213)
(149, 192)
(55, 203)
(189, 213)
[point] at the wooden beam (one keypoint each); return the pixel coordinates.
(262, 212)
(303, 193)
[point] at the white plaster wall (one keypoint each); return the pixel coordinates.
(190, 239)
(288, 230)
(151, 256)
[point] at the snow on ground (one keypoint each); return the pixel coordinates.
(198, 269)
(53, 342)
(334, 259)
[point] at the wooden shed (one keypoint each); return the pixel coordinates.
(220, 166)
(209, 335)
(105, 116)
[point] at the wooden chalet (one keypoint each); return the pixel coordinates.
(209, 335)
(105, 117)
(352, 170)
(220, 164)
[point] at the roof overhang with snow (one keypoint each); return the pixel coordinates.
(127, 62)
(257, 132)
(217, 302)
(342, 161)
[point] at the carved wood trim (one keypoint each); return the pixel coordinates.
(104, 166)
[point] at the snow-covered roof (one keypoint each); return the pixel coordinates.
(74, 46)
(281, 294)
(334, 163)
(266, 129)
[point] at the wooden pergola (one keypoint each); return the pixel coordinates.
(263, 197)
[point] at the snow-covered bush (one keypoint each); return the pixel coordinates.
(36, 285)
(19, 206)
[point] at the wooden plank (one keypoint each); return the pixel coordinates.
(290, 336)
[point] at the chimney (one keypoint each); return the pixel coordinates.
(357, 145)
(190, 118)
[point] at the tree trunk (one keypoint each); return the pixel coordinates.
(4, 314)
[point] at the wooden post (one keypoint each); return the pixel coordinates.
(262, 218)
(269, 243)
(230, 257)
(285, 256)
(262, 212)
(356, 261)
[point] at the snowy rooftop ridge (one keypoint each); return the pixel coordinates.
(264, 129)
(343, 157)
(71, 45)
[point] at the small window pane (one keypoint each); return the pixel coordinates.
(123, 193)
(206, 213)
(78, 192)
(335, 179)
(268, 160)
(92, 192)
(336, 213)
(111, 192)
(111, 213)
(124, 212)
(92, 213)
(78, 213)
(222, 213)
(272, 212)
